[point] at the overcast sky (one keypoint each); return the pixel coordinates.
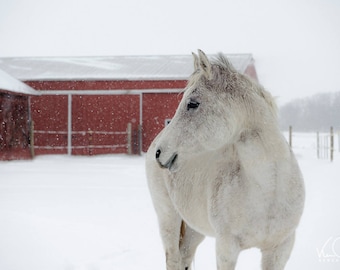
(295, 43)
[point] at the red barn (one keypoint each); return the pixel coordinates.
(86, 103)
(15, 132)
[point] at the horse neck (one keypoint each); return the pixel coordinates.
(262, 143)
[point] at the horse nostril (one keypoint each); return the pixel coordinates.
(158, 153)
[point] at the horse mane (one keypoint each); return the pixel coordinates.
(230, 76)
(223, 62)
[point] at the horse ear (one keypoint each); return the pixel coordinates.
(196, 61)
(204, 64)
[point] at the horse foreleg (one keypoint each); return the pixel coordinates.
(277, 257)
(190, 239)
(169, 223)
(227, 251)
(170, 226)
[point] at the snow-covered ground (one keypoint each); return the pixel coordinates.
(95, 213)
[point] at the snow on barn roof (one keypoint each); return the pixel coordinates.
(163, 67)
(10, 84)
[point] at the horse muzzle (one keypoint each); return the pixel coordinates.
(167, 164)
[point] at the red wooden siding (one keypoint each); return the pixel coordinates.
(107, 85)
(49, 113)
(99, 123)
(156, 109)
(251, 72)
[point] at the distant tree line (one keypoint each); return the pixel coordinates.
(315, 113)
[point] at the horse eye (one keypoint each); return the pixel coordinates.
(192, 105)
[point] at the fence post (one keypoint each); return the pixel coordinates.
(90, 142)
(317, 145)
(139, 139)
(332, 144)
(129, 135)
(32, 138)
(290, 136)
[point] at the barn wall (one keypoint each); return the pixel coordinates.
(14, 127)
(99, 123)
(49, 113)
(251, 72)
(106, 85)
(157, 108)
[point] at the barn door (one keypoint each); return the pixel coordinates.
(14, 127)
(99, 123)
(49, 113)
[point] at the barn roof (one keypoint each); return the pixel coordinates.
(163, 67)
(10, 84)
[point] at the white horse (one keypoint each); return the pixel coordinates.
(221, 168)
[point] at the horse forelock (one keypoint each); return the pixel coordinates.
(222, 73)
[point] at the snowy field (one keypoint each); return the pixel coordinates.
(95, 213)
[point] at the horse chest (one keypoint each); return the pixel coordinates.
(204, 197)
(193, 195)
(189, 197)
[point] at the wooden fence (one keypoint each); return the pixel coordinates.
(128, 143)
(326, 143)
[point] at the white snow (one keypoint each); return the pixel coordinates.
(161, 67)
(95, 213)
(9, 83)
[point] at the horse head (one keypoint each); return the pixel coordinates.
(217, 105)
